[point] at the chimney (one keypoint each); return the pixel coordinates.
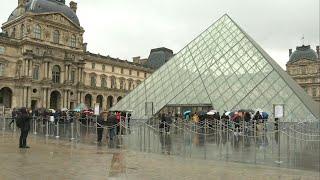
(290, 52)
(73, 6)
(22, 2)
(318, 51)
(85, 47)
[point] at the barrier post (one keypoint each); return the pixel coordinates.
(35, 125)
(4, 123)
(47, 128)
(14, 125)
(57, 134)
(72, 136)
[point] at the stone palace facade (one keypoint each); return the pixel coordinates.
(44, 62)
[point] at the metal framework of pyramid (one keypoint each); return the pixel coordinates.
(224, 67)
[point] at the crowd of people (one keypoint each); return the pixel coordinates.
(110, 121)
(237, 120)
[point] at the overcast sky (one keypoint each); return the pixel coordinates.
(128, 28)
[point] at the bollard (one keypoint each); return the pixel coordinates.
(57, 134)
(72, 136)
(35, 126)
(4, 123)
(47, 128)
(14, 125)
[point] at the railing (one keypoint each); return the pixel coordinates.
(293, 145)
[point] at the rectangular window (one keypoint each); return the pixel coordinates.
(93, 65)
(112, 68)
(73, 41)
(130, 72)
(103, 67)
(138, 73)
(145, 75)
(93, 81)
(73, 74)
(121, 70)
(314, 91)
(1, 69)
(36, 73)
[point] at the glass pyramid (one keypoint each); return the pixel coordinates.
(224, 67)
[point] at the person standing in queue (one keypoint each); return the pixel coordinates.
(24, 125)
(100, 125)
(112, 125)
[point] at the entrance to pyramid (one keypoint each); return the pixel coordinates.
(184, 110)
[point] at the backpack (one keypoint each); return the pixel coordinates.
(19, 122)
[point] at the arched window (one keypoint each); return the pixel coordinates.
(56, 36)
(130, 84)
(122, 84)
(56, 74)
(93, 81)
(103, 82)
(73, 41)
(113, 83)
(22, 31)
(36, 72)
(37, 32)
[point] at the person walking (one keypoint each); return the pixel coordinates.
(13, 116)
(24, 125)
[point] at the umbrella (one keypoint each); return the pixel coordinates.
(227, 113)
(264, 115)
(52, 110)
(80, 107)
(187, 112)
(212, 112)
(64, 109)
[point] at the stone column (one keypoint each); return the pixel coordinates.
(44, 97)
(44, 70)
(25, 97)
(29, 89)
(65, 72)
(50, 71)
(48, 98)
(30, 68)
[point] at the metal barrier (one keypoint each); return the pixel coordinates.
(251, 143)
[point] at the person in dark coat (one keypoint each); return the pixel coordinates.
(100, 125)
(111, 123)
(168, 121)
(24, 124)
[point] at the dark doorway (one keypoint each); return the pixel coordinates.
(6, 97)
(55, 100)
(88, 100)
(34, 104)
(110, 102)
(100, 101)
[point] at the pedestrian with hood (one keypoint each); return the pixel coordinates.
(23, 122)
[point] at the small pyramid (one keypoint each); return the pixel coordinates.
(224, 67)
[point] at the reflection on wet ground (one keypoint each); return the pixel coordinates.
(138, 156)
(267, 148)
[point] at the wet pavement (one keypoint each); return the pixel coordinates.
(148, 154)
